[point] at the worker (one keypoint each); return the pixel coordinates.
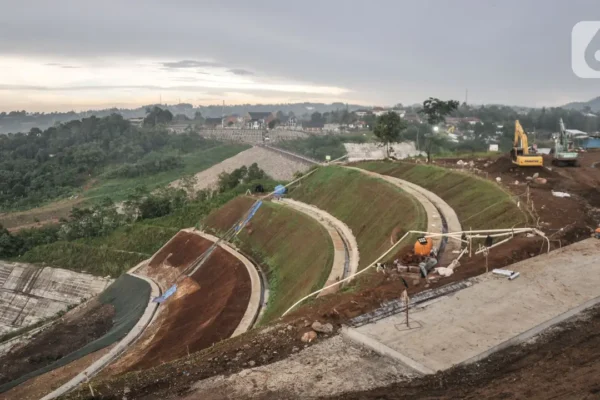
(423, 246)
(597, 233)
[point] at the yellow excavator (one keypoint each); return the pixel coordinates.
(520, 151)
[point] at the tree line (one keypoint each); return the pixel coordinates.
(43, 165)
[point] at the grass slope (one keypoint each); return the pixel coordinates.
(479, 203)
(295, 250)
(118, 188)
(374, 209)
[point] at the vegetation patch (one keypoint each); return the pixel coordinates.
(375, 210)
(479, 203)
(295, 250)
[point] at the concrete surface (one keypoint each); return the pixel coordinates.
(339, 233)
(328, 368)
(495, 313)
(433, 205)
(117, 350)
(29, 293)
(372, 151)
(277, 166)
(254, 305)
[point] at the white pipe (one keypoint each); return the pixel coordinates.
(428, 234)
(492, 246)
(348, 277)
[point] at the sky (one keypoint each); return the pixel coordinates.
(76, 54)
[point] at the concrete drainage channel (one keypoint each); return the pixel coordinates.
(345, 247)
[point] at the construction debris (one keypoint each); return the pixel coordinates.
(560, 194)
(309, 336)
(506, 272)
(322, 328)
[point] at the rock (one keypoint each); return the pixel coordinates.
(251, 363)
(289, 327)
(239, 354)
(309, 336)
(516, 182)
(498, 179)
(322, 328)
(536, 175)
(541, 181)
(416, 282)
(295, 349)
(246, 347)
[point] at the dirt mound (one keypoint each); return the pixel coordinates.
(206, 308)
(178, 254)
(504, 166)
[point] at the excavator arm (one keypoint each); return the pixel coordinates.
(521, 141)
(520, 152)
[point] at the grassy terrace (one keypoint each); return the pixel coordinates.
(295, 250)
(479, 203)
(197, 161)
(374, 209)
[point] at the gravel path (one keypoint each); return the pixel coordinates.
(275, 165)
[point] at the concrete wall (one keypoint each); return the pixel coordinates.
(29, 293)
(372, 151)
(252, 136)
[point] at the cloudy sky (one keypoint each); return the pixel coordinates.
(79, 54)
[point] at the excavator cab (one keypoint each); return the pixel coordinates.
(520, 153)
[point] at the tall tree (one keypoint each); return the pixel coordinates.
(435, 111)
(388, 129)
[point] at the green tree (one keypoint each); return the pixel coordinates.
(157, 116)
(435, 111)
(388, 129)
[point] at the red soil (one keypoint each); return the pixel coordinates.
(206, 308)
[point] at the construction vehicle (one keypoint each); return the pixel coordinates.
(520, 153)
(563, 153)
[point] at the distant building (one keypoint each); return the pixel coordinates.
(472, 120)
(413, 118)
(362, 112)
(400, 112)
(136, 121)
(313, 126)
(233, 122)
(332, 127)
(213, 123)
(179, 128)
(259, 120)
(291, 123)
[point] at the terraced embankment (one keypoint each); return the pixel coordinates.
(206, 308)
(479, 203)
(294, 250)
(376, 211)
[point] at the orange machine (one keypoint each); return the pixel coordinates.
(423, 246)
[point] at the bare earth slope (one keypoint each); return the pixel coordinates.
(275, 165)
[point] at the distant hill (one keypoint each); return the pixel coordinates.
(22, 121)
(593, 104)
